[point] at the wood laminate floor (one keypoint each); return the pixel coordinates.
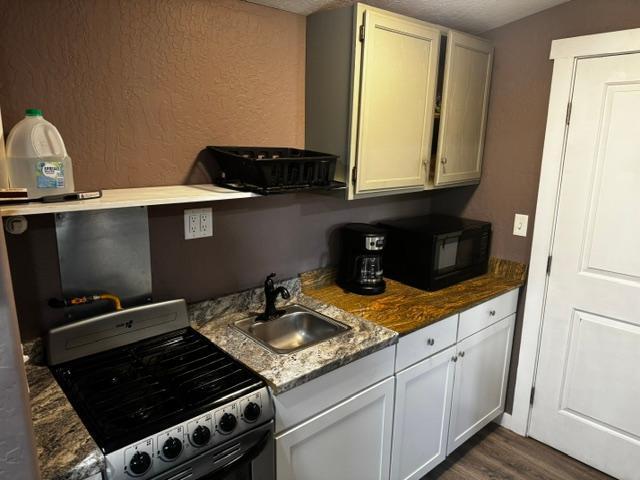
(496, 453)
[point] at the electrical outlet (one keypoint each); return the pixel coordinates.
(520, 225)
(205, 223)
(198, 223)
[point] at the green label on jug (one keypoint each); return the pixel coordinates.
(50, 174)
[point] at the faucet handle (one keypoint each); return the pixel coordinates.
(268, 282)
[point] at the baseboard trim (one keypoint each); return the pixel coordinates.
(506, 420)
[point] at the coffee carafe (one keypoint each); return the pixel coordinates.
(360, 269)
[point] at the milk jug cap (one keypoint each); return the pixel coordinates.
(33, 112)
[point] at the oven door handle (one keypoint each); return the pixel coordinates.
(248, 456)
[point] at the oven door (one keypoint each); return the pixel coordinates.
(250, 456)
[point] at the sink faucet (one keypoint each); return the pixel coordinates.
(271, 295)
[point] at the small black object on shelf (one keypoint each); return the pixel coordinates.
(268, 170)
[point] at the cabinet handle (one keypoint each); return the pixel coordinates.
(492, 313)
(430, 341)
(443, 161)
(454, 358)
(461, 354)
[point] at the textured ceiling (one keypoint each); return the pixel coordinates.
(473, 16)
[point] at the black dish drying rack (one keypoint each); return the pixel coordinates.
(268, 170)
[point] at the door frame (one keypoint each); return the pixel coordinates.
(565, 53)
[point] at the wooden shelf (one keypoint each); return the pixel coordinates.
(130, 197)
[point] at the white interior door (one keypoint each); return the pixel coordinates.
(399, 66)
(588, 379)
(464, 109)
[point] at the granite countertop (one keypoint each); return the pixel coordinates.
(283, 372)
(65, 448)
(405, 309)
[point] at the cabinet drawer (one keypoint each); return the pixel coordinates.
(304, 401)
(425, 342)
(487, 313)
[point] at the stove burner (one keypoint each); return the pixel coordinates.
(136, 390)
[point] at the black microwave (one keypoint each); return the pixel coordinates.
(435, 251)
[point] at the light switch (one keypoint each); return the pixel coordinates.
(198, 223)
(520, 225)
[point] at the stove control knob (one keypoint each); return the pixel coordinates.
(200, 435)
(227, 423)
(140, 463)
(171, 448)
(251, 412)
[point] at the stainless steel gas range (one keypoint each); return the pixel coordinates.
(160, 400)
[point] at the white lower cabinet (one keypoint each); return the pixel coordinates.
(480, 385)
(450, 381)
(443, 399)
(421, 419)
(350, 441)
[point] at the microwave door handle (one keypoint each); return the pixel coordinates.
(249, 456)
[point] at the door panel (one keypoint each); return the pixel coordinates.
(587, 381)
(464, 109)
(350, 441)
(611, 247)
(421, 418)
(398, 75)
(480, 382)
(600, 396)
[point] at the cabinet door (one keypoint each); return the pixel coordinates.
(350, 441)
(480, 384)
(421, 418)
(464, 109)
(397, 90)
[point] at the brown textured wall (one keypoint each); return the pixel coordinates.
(517, 115)
(138, 87)
(286, 234)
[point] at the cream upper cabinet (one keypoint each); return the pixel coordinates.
(397, 91)
(465, 96)
(372, 80)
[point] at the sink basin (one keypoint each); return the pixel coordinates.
(298, 328)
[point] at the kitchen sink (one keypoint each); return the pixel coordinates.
(296, 329)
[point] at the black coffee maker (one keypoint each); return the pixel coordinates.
(360, 269)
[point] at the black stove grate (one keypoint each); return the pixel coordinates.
(128, 393)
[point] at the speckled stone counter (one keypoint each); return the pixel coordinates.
(66, 451)
(405, 309)
(284, 372)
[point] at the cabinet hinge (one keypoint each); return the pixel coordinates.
(354, 173)
(362, 33)
(533, 394)
(569, 112)
(549, 260)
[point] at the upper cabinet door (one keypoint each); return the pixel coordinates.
(464, 109)
(397, 90)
